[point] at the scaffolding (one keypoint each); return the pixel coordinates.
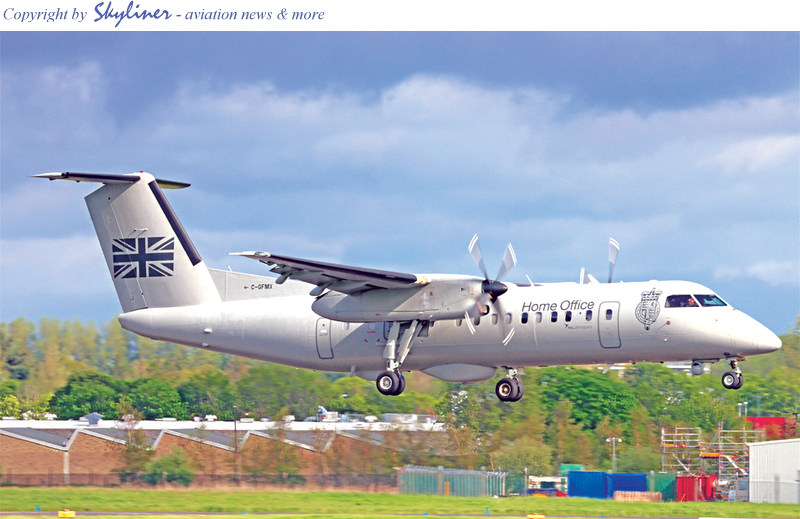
(729, 448)
(680, 450)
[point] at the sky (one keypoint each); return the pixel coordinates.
(389, 150)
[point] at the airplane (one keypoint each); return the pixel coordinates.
(378, 324)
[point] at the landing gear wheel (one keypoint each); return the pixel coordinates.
(388, 383)
(520, 390)
(732, 380)
(507, 390)
(401, 386)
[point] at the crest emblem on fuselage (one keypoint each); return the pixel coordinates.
(648, 308)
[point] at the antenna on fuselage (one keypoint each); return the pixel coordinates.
(613, 250)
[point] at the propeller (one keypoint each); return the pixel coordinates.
(491, 290)
(613, 250)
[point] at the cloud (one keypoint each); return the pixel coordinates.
(51, 276)
(774, 273)
(400, 178)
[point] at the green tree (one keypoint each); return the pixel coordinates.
(171, 468)
(10, 406)
(15, 341)
(86, 392)
(116, 350)
(569, 442)
(638, 460)
(137, 452)
(156, 399)
(208, 392)
(37, 408)
(593, 395)
(461, 414)
(268, 388)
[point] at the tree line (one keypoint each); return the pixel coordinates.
(71, 368)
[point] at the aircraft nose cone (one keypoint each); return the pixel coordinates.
(768, 342)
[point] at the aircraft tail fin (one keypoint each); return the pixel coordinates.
(150, 257)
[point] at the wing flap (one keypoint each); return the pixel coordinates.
(340, 278)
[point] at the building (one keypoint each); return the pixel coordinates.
(775, 471)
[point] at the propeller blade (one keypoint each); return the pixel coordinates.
(508, 334)
(509, 261)
(468, 319)
(613, 249)
(475, 250)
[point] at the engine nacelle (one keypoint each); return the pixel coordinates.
(444, 297)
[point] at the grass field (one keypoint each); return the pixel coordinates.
(355, 505)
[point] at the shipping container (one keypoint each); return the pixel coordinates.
(601, 485)
(586, 484)
(625, 483)
(700, 487)
(666, 484)
(775, 471)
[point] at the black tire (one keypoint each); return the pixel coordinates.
(506, 390)
(520, 390)
(401, 386)
(730, 379)
(740, 381)
(387, 382)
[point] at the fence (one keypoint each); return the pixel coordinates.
(450, 482)
(364, 482)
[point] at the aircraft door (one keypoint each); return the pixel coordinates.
(324, 349)
(608, 324)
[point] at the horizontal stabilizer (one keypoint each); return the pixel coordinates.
(109, 178)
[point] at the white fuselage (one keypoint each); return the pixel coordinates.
(554, 324)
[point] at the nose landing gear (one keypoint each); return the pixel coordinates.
(733, 379)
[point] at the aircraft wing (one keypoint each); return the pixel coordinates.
(330, 276)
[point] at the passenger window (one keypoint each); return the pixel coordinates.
(507, 319)
(568, 316)
(494, 318)
(458, 322)
(609, 314)
(524, 318)
(680, 301)
(710, 300)
(554, 317)
(477, 321)
(345, 326)
(538, 317)
(588, 315)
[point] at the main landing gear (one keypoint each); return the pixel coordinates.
(392, 382)
(510, 389)
(733, 379)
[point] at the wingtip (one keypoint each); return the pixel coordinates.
(49, 176)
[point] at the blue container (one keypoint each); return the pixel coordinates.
(625, 483)
(586, 484)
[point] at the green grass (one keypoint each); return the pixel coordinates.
(356, 504)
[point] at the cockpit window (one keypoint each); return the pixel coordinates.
(680, 301)
(710, 300)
